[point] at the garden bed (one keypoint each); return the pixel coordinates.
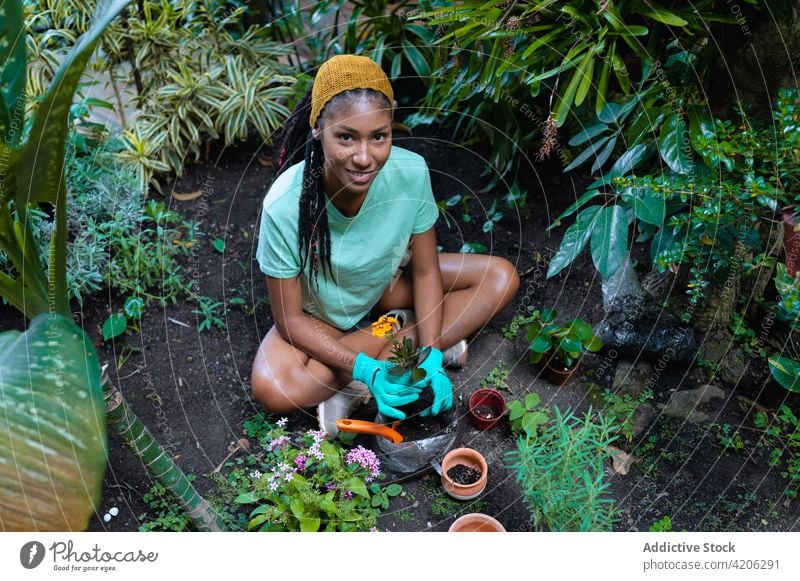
(192, 388)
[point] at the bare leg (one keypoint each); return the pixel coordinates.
(285, 378)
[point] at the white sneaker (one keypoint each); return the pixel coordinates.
(340, 405)
(456, 356)
(403, 316)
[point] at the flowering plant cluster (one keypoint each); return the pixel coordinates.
(305, 483)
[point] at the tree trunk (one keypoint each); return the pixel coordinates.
(126, 424)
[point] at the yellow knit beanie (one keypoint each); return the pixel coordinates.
(342, 73)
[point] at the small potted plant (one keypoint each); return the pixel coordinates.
(405, 356)
(563, 345)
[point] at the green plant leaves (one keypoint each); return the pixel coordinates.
(647, 205)
(610, 240)
(52, 427)
(134, 306)
(12, 69)
(574, 241)
(114, 326)
(674, 146)
(786, 372)
(41, 163)
(393, 490)
(541, 344)
(628, 161)
(532, 400)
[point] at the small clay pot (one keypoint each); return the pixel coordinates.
(557, 374)
(471, 459)
(486, 407)
(476, 522)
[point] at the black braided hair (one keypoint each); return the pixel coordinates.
(296, 145)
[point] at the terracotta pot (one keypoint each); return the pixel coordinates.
(476, 522)
(557, 374)
(472, 459)
(486, 407)
(791, 241)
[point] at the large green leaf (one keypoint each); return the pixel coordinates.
(673, 144)
(42, 160)
(786, 372)
(12, 70)
(647, 205)
(52, 427)
(628, 161)
(610, 240)
(574, 241)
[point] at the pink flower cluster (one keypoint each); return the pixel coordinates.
(366, 459)
(278, 442)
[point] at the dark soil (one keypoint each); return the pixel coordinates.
(462, 474)
(192, 388)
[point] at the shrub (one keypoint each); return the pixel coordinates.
(561, 472)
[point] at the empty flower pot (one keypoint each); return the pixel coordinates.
(458, 469)
(486, 407)
(476, 522)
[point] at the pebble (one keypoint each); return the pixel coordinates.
(107, 517)
(113, 511)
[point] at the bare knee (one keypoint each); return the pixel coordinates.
(505, 279)
(269, 392)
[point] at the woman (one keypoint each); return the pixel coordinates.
(345, 210)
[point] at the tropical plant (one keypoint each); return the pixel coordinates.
(565, 343)
(200, 74)
(379, 29)
(561, 472)
(52, 413)
(577, 54)
(702, 212)
(52, 366)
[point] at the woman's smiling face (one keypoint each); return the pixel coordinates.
(356, 139)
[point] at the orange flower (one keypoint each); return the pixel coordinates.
(384, 327)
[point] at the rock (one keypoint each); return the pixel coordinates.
(684, 404)
(643, 416)
(631, 377)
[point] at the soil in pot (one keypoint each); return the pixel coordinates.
(462, 474)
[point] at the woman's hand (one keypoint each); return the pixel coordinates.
(440, 384)
(389, 396)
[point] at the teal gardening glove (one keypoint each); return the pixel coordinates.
(388, 395)
(440, 384)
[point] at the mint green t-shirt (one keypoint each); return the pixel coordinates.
(366, 249)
